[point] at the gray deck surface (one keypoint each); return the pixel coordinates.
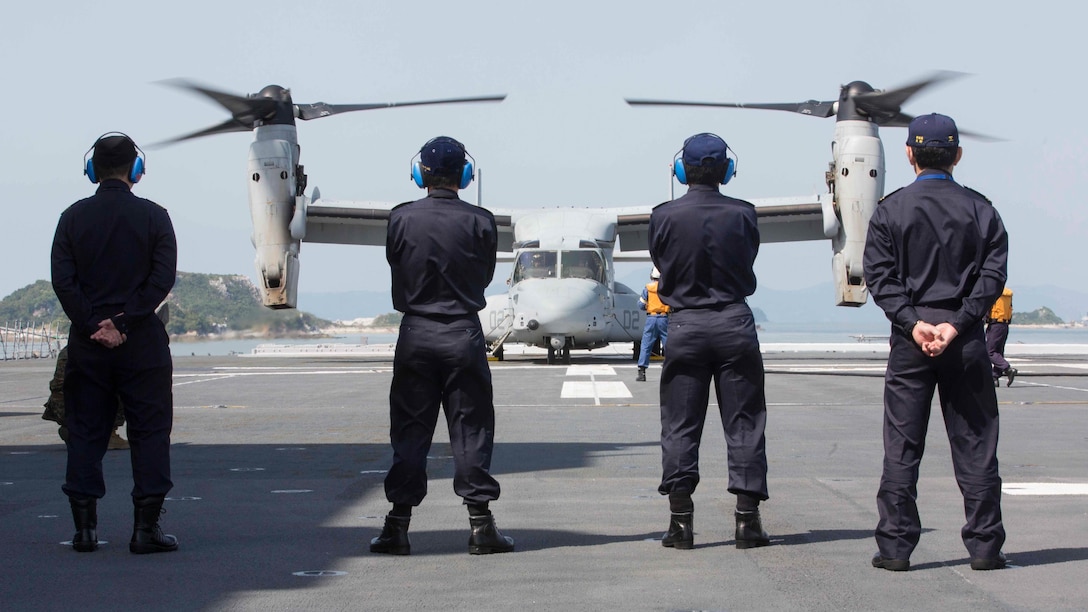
(278, 467)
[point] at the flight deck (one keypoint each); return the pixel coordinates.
(278, 464)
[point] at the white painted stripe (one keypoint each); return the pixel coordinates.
(573, 389)
(591, 370)
(1045, 488)
(1026, 383)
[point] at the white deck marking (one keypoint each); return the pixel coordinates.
(1044, 488)
(591, 370)
(582, 389)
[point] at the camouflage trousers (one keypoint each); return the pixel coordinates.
(54, 406)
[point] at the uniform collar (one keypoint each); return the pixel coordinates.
(447, 194)
(933, 174)
(703, 188)
(113, 185)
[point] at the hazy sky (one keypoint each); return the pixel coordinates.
(563, 137)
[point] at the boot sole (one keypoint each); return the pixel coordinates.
(488, 550)
(85, 547)
(681, 545)
(148, 549)
(391, 551)
(746, 544)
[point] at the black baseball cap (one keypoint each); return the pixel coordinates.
(442, 155)
(705, 149)
(114, 152)
(933, 130)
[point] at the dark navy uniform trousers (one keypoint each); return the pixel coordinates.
(718, 345)
(140, 372)
(441, 363)
(961, 374)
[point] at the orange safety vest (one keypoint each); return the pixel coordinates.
(1002, 309)
(654, 305)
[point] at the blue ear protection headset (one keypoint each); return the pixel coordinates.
(134, 174)
(682, 175)
(467, 172)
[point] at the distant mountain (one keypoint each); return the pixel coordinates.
(1068, 304)
(809, 305)
(199, 303)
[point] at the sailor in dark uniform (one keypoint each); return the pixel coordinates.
(935, 261)
(113, 262)
(442, 254)
(704, 244)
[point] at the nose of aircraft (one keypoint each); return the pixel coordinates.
(559, 307)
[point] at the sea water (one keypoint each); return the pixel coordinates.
(769, 333)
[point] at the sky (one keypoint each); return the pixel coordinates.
(563, 137)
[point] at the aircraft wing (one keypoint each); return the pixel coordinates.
(780, 220)
(364, 222)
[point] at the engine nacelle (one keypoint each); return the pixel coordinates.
(858, 186)
(272, 205)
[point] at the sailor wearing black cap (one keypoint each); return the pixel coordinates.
(113, 262)
(442, 254)
(935, 261)
(705, 244)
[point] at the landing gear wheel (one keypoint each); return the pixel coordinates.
(498, 353)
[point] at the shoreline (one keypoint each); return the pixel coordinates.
(326, 332)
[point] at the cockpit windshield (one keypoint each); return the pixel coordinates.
(558, 264)
(582, 264)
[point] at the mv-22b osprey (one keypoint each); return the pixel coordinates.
(562, 291)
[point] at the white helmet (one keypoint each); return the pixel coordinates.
(655, 273)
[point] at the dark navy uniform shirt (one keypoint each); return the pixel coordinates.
(113, 252)
(442, 254)
(935, 243)
(704, 244)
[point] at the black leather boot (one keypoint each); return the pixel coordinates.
(147, 537)
(486, 537)
(750, 532)
(393, 539)
(85, 516)
(680, 534)
(641, 375)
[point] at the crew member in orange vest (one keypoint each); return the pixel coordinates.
(657, 323)
(997, 332)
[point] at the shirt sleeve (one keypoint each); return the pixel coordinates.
(882, 274)
(160, 278)
(66, 281)
(991, 278)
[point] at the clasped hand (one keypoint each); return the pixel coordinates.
(933, 339)
(108, 335)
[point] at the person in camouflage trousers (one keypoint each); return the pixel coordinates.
(54, 406)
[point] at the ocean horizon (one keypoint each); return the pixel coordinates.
(769, 333)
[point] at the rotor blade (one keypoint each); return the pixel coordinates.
(900, 120)
(230, 125)
(810, 107)
(242, 108)
(885, 102)
(321, 109)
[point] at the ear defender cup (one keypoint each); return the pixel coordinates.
(678, 170)
(467, 174)
(88, 169)
(137, 171)
(730, 170)
(417, 174)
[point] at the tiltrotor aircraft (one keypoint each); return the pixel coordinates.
(562, 291)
